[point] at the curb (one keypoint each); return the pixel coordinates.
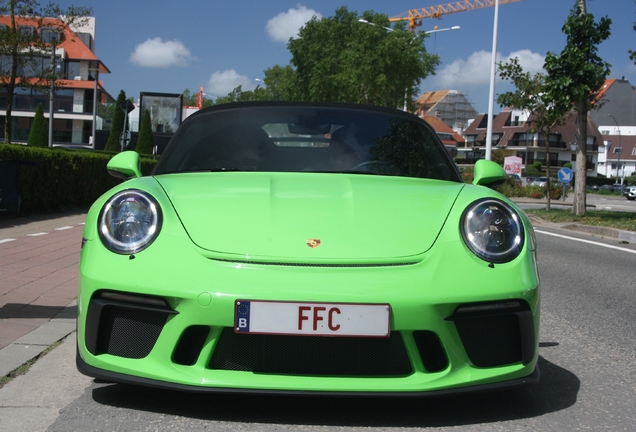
(33, 344)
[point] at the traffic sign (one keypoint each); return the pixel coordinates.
(565, 175)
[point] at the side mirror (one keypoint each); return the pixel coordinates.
(488, 173)
(125, 165)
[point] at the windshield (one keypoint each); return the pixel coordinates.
(307, 138)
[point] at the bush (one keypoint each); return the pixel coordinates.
(57, 179)
(117, 127)
(39, 133)
(145, 142)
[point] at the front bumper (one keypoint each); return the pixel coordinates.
(173, 329)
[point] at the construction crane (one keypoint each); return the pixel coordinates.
(415, 16)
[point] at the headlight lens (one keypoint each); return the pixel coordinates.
(492, 230)
(129, 222)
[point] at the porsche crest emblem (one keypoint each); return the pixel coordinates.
(313, 243)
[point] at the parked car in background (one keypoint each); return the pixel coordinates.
(541, 181)
(630, 192)
(616, 187)
(619, 188)
(288, 247)
(514, 178)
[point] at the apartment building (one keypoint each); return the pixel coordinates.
(79, 98)
(511, 131)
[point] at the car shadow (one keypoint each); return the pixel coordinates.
(26, 310)
(556, 390)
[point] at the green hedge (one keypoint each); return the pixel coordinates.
(59, 179)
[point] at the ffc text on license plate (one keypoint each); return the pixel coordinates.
(312, 319)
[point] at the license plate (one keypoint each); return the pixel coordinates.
(312, 319)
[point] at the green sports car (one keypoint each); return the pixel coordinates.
(317, 248)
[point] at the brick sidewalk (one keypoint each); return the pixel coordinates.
(38, 271)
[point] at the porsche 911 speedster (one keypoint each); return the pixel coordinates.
(310, 248)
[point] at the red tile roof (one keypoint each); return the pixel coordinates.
(440, 126)
(73, 46)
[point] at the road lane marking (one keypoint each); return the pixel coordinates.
(37, 234)
(63, 228)
(586, 241)
(7, 240)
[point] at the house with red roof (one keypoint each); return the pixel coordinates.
(511, 131)
(79, 94)
(449, 137)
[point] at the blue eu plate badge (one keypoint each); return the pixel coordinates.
(242, 317)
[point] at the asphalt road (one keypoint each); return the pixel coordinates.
(588, 371)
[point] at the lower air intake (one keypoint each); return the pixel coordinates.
(129, 332)
(308, 355)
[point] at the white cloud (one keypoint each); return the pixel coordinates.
(475, 71)
(529, 61)
(285, 25)
(159, 54)
(223, 82)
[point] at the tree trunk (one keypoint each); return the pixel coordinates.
(579, 205)
(580, 197)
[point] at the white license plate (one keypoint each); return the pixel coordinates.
(312, 319)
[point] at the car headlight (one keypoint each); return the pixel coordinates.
(492, 230)
(129, 221)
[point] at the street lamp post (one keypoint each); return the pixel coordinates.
(95, 90)
(52, 90)
(491, 92)
(620, 150)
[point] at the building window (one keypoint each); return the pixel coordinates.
(634, 151)
(47, 34)
(26, 30)
(617, 150)
(72, 69)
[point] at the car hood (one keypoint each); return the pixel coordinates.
(310, 217)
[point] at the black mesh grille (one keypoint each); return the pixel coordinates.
(493, 340)
(129, 332)
(431, 351)
(306, 355)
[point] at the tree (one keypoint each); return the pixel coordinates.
(39, 133)
(23, 50)
(238, 95)
(280, 82)
(145, 141)
(190, 99)
(531, 94)
(575, 77)
(340, 59)
(117, 126)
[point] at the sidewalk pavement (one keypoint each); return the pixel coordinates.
(39, 259)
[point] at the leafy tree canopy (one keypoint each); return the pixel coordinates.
(341, 59)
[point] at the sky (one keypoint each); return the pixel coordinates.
(166, 46)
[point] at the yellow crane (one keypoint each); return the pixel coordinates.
(415, 16)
